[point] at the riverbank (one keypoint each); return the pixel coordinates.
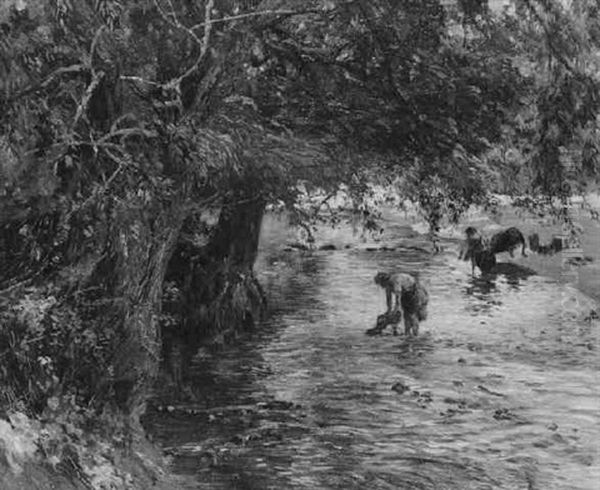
(36, 455)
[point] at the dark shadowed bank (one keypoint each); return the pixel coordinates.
(83, 366)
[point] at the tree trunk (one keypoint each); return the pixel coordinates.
(141, 245)
(220, 295)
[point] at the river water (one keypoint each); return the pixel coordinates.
(499, 391)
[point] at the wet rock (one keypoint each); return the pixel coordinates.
(474, 346)
(461, 402)
(579, 261)
(475, 405)
(298, 246)
(239, 439)
(459, 406)
(277, 405)
(503, 414)
(488, 391)
(414, 248)
(382, 248)
(423, 398)
(451, 412)
(592, 315)
(400, 387)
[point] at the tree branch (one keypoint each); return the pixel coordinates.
(231, 18)
(78, 68)
(95, 42)
(126, 132)
(177, 23)
(205, 39)
(89, 91)
(132, 78)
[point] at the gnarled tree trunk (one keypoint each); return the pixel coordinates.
(140, 246)
(220, 295)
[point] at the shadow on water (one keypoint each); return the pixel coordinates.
(484, 287)
(514, 273)
(499, 391)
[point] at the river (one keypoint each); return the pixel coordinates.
(499, 391)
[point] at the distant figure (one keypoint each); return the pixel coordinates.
(560, 242)
(507, 241)
(472, 236)
(411, 299)
(535, 246)
(472, 232)
(534, 242)
(482, 257)
(477, 251)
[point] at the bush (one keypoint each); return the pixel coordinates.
(50, 351)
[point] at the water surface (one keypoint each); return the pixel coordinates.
(500, 388)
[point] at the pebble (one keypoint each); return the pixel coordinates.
(400, 387)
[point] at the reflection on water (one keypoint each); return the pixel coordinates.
(498, 392)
